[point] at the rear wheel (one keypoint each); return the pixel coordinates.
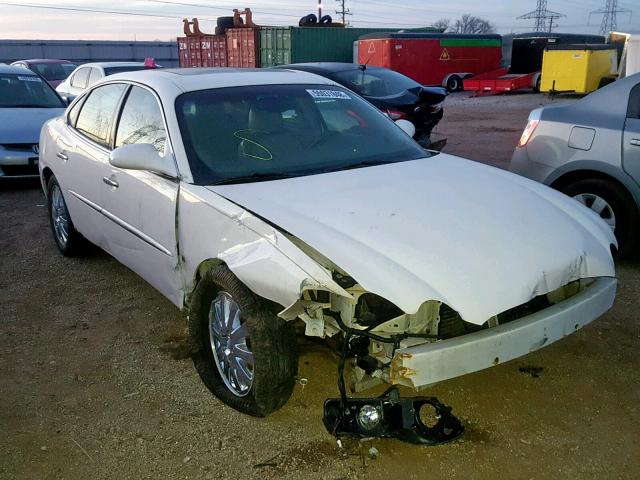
(69, 241)
(245, 354)
(614, 205)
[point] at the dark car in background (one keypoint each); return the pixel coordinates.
(53, 71)
(395, 94)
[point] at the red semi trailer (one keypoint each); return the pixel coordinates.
(432, 58)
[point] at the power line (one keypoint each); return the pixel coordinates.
(541, 15)
(609, 16)
(89, 10)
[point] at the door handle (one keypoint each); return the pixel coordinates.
(110, 182)
(635, 142)
(62, 156)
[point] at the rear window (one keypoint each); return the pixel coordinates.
(52, 71)
(376, 83)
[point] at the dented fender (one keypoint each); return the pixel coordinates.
(211, 228)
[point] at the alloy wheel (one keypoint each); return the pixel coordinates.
(600, 206)
(229, 344)
(59, 215)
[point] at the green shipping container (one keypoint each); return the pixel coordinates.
(282, 45)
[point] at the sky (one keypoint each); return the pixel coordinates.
(161, 19)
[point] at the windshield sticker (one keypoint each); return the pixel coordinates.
(329, 94)
(30, 78)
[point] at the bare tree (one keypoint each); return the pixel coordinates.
(470, 24)
(442, 24)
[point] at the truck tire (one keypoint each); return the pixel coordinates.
(619, 209)
(68, 240)
(454, 83)
(224, 22)
(326, 19)
(244, 353)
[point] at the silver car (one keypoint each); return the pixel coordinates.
(590, 150)
(26, 102)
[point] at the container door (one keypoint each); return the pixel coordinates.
(631, 137)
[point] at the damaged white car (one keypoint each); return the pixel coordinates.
(256, 199)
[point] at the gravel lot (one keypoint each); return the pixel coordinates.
(90, 389)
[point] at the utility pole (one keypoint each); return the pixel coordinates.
(343, 11)
(609, 16)
(541, 15)
(319, 10)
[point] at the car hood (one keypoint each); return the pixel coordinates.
(22, 125)
(480, 239)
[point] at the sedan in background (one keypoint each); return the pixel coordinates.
(257, 199)
(26, 102)
(89, 73)
(590, 150)
(398, 96)
(53, 71)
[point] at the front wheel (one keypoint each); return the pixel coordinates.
(614, 205)
(245, 354)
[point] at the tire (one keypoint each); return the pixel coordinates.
(620, 202)
(68, 240)
(454, 83)
(270, 341)
(326, 19)
(536, 84)
(224, 22)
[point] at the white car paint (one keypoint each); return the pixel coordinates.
(96, 73)
(439, 229)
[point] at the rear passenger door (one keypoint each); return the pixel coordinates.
(83, 155)
(631, 137)
(142, 204)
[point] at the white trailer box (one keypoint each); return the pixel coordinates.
(633, 54)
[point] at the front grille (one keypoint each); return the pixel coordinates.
(27, 147)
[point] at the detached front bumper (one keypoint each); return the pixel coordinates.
(434, 362)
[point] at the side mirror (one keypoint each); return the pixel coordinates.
(142, 156)
(406, 126)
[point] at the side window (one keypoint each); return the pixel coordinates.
(79, 79)
(94, 76)
(141, 121)
(633, 111)
(98, 111)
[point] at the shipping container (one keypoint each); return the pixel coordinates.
(183, 52)
(528, 49)
(432, 59)
(577, 68)
(195, 57)
(243, 46)
(283, 45)
(633, 55)
(213, 50)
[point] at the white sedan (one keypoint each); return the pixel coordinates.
(257, 199)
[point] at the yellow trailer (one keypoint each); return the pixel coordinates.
(577, 68)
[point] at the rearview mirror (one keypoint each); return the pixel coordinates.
(406, 126)
(142, 156)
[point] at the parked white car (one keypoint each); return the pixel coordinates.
(258, 198)
(89, 73)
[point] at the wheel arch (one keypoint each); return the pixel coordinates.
(587, 170)
(47, 173)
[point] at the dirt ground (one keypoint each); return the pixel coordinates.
(89, 390)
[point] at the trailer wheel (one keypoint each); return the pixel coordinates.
(454, 83)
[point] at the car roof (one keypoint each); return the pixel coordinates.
(44, 60)
(189, 79)
(327, 67)
(112, 64)
(16, 70)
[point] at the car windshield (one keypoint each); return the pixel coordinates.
(133, 68)
(273, 131)
(53, 71)
(27, 91)
(375, 82)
